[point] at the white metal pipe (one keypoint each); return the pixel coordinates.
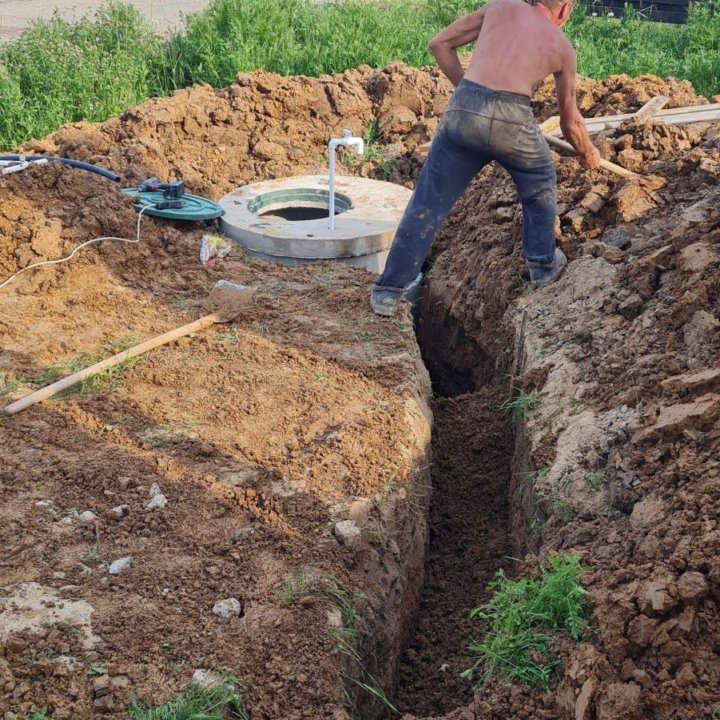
(348, 141)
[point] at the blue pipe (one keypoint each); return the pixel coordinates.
(67, 161)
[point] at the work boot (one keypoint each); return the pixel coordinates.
(543, 274)
(385, 300)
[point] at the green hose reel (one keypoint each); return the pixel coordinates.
(193, 208)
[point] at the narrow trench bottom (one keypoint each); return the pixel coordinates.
(472, 449)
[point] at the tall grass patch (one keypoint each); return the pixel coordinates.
(59, 72)
(523, 617)
(632, 45)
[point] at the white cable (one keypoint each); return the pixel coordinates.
(82, 245)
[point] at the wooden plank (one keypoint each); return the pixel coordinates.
(551, 124)
(651, 107)
(673, 116)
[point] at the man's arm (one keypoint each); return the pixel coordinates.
(443, 46)
(571, 121)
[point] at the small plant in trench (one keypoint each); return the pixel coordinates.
(522, 404)
(220, 701)
(521, 619)
(562, 509)
(596, 480)
(345, 638)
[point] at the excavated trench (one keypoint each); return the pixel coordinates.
(470, 513)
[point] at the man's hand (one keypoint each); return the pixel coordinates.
(590, 159)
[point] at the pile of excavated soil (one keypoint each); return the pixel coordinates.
(290, 446)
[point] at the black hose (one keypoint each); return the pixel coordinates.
(67, 161)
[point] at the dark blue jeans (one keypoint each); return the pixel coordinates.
(479, 125)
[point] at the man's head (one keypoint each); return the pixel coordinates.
(558, 11)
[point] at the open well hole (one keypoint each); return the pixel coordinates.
(297, 205)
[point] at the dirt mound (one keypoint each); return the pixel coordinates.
(281, 440)
(624, 355)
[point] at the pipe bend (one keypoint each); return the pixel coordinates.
(69, 162)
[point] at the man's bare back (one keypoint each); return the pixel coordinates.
(517, 45)
(517, 48)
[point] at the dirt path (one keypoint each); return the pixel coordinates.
(16, 15)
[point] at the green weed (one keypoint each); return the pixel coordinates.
(522, 404)
(294, 588)
(521, 618)
(107, 381)
(219, 702)
(41, 714)
(562, 509)
(596, 480)
(345, 639)
(97, 671)
(9, 383)
(90, 557)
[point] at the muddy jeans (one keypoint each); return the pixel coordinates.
(479, 125)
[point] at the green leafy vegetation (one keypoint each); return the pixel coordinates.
(38, 715)
(294, 588)
(522, 404)
(8, 383)
(221, 701)
(520, 621)
(59, 72)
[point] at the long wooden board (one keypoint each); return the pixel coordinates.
(673, 116)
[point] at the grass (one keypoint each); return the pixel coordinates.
(59, 72)
(346, 643)
(521, 619)
(522, 404)
(294, 588)
(107, 381)
(9, 383)
(218, 702)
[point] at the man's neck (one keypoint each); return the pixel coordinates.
(544, 10)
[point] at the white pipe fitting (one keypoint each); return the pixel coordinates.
(16, 166)
(346, 140)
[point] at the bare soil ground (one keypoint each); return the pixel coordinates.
(307, 412)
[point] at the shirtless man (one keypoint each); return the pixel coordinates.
(489, 118)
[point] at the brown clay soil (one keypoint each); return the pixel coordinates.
(291, 445)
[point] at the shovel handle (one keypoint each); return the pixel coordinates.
(605, 164)
(66, 382)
